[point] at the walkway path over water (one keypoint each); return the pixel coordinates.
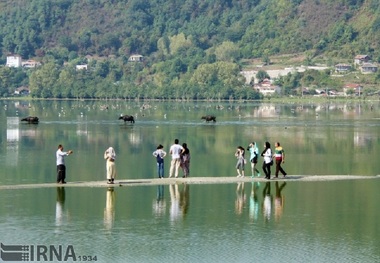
(191, 180)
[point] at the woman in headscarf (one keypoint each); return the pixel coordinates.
(254, 151)
(110, 156)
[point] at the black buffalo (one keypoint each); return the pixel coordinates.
(209, 118)
(126, 118)
(30, 119)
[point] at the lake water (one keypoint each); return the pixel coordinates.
(293, 221)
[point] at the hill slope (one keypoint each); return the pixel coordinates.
(192, 49)
(258, 27)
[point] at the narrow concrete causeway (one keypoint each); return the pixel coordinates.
(191, 180)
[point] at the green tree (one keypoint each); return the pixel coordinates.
(5, 80)
(228, 52)
(23, 49)
(163, 45)
(265, 58)
(65, 83)
(205, 75)
(178, 66)
(178, 42)
(84, 41)
(43, 80)
(261, 75)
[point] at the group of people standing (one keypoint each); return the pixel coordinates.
(268, 157)
(180, 158)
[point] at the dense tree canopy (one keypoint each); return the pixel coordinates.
(189, 46)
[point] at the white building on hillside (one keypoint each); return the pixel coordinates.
(14, 61)
(136, 58)
(30, 64)
(80, 67)
(267, 88)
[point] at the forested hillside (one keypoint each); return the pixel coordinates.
(191, 48)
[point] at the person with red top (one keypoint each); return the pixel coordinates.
(279, 156)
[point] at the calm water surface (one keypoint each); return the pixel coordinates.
(334, 221)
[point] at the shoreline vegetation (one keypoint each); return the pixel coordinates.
(265, 99)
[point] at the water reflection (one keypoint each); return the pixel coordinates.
(254, 202)
(109, 210)
(134, 225)
(13, 137)
(159, 204)
(267, 202)
(59, 206)
(279, 201)
(184, 199)
(240, 198)
(179, 205)
(175, 212)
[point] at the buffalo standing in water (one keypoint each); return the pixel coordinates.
(126, 118)
(30, 119)
(209, 118)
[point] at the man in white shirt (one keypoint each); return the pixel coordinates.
(61, 168)
(175, 152)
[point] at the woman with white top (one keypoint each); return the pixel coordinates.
(267, 154)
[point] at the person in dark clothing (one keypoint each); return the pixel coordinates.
(267, 154)
(185, 160)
